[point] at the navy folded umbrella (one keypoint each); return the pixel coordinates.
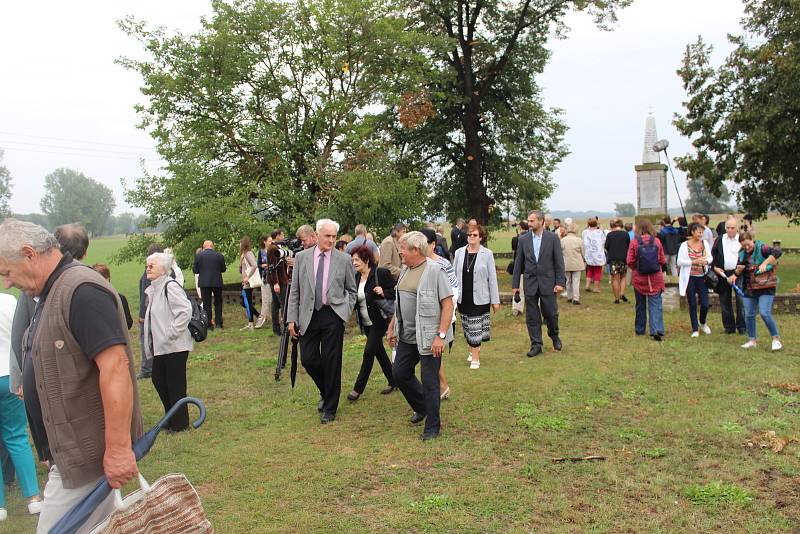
(77, 516)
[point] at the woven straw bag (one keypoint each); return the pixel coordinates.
(169, 506)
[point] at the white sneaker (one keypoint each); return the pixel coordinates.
(751, 343)
(475, 365)
(248, 326)
(776, 344)
(34, 507)
(705, 328)
(260, 321)
(3, 514)
(695, 334)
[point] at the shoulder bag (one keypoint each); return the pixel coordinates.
(385, 306)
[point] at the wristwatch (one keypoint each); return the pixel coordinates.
(442, 335)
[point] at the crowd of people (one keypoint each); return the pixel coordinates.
(408, 289)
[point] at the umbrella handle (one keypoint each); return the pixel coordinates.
(178, 405)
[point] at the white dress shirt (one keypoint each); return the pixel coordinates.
(730, 251)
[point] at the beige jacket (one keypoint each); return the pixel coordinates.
(390, 256)
(572, 249)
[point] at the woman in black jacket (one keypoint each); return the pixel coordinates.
(375, 286)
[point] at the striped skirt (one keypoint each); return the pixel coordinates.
(476, 329)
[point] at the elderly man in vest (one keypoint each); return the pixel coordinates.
(78, 379)
(420, 329)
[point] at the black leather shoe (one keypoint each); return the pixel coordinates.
(656, 337)
(327, 418)
(576, 302)
(387, 390)
(417, 418)
(353, 395)
(623, 298)
(427, 436)
(557, 344)
(535, 351)
(319, 406)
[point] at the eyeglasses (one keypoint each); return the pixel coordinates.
(473, 235)
(151, 266)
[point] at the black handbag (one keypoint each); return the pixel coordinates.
(385, 306)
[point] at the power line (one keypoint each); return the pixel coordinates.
(73, 140)
(84, 155)
(110, 151)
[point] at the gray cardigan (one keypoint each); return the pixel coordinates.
(484, 285)
(167, 318)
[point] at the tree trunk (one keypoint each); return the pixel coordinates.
(473, 179)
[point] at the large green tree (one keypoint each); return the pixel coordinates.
(701, 200)
(70, 197)
(744, 116)
(261, 114)
(5, 188)
(488, 138)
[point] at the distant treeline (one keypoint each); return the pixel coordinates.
(124, 223)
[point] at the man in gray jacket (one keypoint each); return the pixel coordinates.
(540, 260)
(320, 304)
(420, 329)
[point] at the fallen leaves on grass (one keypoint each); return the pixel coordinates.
(788, 386)
(770, 440)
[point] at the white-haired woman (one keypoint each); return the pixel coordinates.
(166, 335)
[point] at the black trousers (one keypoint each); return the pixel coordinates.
(374, 350)
(205, 294)
(169, 379)
(422, 397)
(277, 309)
(533, 316)
(321, 355)
(730, 322)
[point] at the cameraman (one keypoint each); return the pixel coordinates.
(307, 236)
(277, 277)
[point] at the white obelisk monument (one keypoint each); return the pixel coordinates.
(651, 177)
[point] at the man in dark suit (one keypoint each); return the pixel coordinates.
(320, 304)
(210, 265)
(540, 260)
(458, 237)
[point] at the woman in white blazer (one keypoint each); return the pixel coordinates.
(694, 259)
(477, 277)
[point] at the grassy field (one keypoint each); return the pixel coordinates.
(671, 420)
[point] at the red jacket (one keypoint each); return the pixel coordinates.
(646, 284)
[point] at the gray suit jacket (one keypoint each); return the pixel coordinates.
(540, 276)
(341, 288)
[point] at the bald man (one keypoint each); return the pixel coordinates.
(209, 265)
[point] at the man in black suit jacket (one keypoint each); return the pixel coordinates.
(458, 237)
(210, 265)
(540, 260)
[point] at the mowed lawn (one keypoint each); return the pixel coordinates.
(671, 420)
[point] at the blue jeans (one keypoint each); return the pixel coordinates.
(762, 303)
(14, 432)
(697, 290)
(649, 305)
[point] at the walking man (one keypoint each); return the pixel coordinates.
(726, 255)
(540, 264)
(78, 378)
(210, 265)
(320, 304)
(420, 329)
(390, 251)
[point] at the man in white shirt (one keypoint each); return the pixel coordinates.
(726, 255)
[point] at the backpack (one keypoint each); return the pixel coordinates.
(198, 322)
(648, 256)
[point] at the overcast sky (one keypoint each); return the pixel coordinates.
(64, 103)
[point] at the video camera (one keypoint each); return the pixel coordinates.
(286, 249)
